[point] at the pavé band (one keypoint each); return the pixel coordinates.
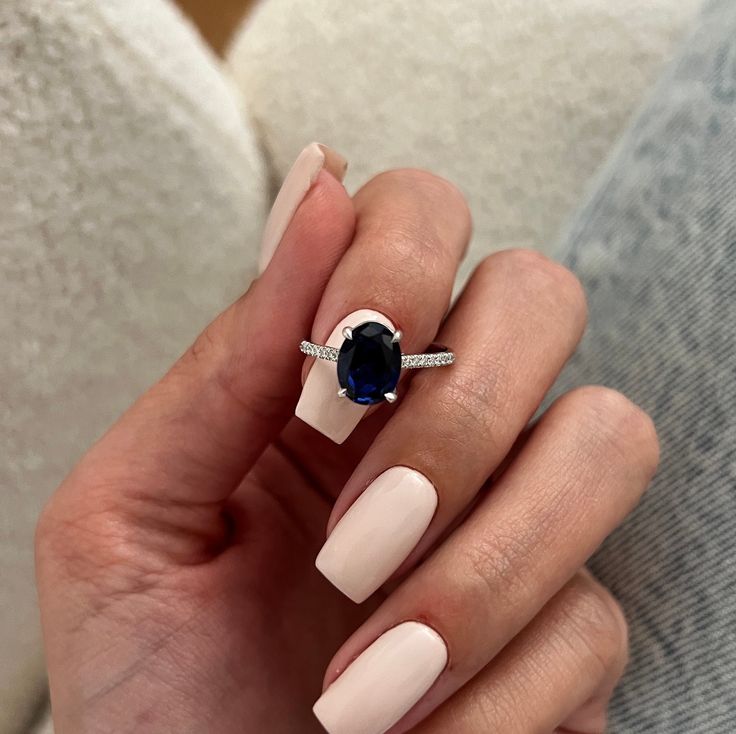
(408, 361)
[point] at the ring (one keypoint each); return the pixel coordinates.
(370, 360)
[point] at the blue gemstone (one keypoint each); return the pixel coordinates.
(368, 365)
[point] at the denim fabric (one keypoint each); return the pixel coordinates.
(655, 246)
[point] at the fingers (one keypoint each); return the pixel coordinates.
(514, 327)
(186, 444)
(412, 229)
(561, 670)
(582, 470)
(300, 179)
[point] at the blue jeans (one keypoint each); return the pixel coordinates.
(655, 246)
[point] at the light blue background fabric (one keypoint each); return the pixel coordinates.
(655, 247)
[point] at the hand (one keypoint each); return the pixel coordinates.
(176, 563)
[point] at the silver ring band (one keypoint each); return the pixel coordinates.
(408, 361)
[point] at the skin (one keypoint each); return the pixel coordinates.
(216, 20)
(175, 563)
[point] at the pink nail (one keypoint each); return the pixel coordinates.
(384, 682)
(378, 532)
(319, 404)
(295, 187)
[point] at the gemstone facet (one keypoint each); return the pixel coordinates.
(369, 363)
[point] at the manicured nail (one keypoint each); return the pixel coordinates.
(295, 187)
(378, 532)
(319, 404)
(384, 682)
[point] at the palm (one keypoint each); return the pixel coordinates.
(171, 603)
(259, 620)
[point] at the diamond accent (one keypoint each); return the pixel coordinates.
(431, 359)
(317, 350)
(408, 361)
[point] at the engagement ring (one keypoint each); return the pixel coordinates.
(370, 360)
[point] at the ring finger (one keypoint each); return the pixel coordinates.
(562, 667)
(514, 327)
(582, 469)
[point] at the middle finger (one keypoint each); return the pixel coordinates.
(581, 471)
(513, 329)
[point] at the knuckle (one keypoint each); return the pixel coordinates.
(494, 710)
(222, 359)
(441, 193)
(622, 424)
(430, 183)
(471, 398)
(213, 349)
(598, 622)
(497, 568)
(418, 253)
(72, 536)
(541, 275)
(83, 537)
(64, 527)
(209, 347)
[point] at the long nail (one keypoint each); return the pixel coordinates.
(384, 681)
(319, 404)
(295, 187)
(378, 532)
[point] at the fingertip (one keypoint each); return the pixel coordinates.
(317, 236)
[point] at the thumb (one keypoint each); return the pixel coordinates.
(191, 438)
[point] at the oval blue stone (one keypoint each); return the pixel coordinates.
(369, 364)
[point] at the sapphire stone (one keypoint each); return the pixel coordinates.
(368, 365)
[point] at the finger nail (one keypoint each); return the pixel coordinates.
(378, 532)
(319, 404)
(295, 187)
(384, 681)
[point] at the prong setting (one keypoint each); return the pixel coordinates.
(397, 336)
(342, 392)
(391, 397)
(347, 332)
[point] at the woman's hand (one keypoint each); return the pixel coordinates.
(176, 563)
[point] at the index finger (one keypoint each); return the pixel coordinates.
(190, 439)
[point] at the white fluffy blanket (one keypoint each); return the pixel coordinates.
(132, 192)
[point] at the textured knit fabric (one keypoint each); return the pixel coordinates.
(131, 204)
(655, 247)
(516, 102)
(142, 250)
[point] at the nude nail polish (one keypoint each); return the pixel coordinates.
(378, 532)
(319, 404)
(296, 185)
(384, 682)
